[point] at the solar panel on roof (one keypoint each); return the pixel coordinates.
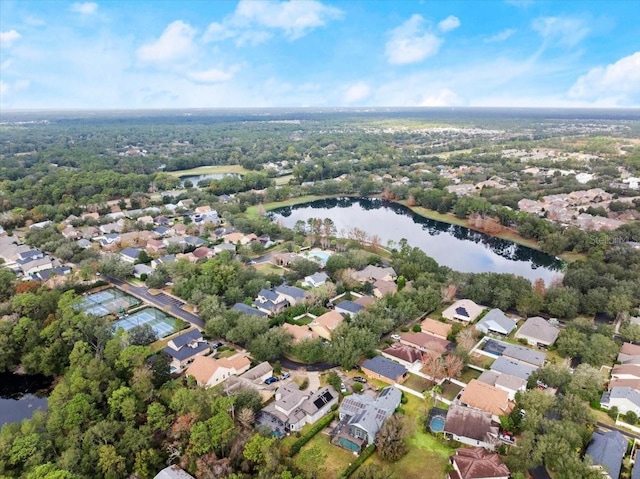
(462, 311)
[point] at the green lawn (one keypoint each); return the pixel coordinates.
(269, 268)
(450, 390)
(468, 374)
(417, 383)
(336, 458)
(481, 360)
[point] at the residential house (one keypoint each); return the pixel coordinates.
(382, 288)
(606, 450)
(116, 227)
(166, 259)
(462, 189)
(495, 321)
(506, 382)
(426, 342)
(471, 427)
(513, 367)
(162, 231)
(477, 463)
(486, 398)
(292, 294)
(184, 348)
(284, 259)
(525, 355)
(233, 238)
(47, 274)
(252, 379)
(173, 472)
(293, 408)
(179, 229)
(325, 324)
(130, 255)
(315, 280)
(246, 309)
(70, 233)
(84, 243)
(385, 370)
(154, 246)
(108, 241)
(405, 355)
(208, 371)
(538, 332)
(630, 383)
(142, 269)
(365, 301)
(628, 351)
(362, 416)
(194, 241)
(348, 307)
(371, 274)
(436, 328)
(622, 397)
(270, 302)
(299, 333)
(219, 248)
(625, 371)
(463, 310)
(203, 253)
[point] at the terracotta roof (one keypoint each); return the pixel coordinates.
(202, 368)
(431, 326)
(330, 320)
(365, 301)
(299, 333)
(404, 352)
(630, 383)
(632, 369)
(486, 398)
(476, 462)
(427, 341)
(630, 349)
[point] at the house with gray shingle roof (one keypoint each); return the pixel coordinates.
(173, 472)
(348, 307)
(606, 450)
(495, 321)
(315, 280)
(525, 355)
(246, 309)
(292, 294)
(624, 398)
(538, 331)
(385, 370)
(362, 416)
(514, 368)
(184, 348)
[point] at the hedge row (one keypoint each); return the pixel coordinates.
(364, 455)
(319, 426)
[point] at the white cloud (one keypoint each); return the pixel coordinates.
(448, 24)
(444, 97)
(252, 19)
(7, 38)
(85, 8)
(357, 92)
(619, 82)
(411, 43)
(500, 36)
(175, 44)
(562, 31)
(213, 75)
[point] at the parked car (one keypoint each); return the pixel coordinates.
(343, 388)
(395, 336)
(217, 345)
(285, 376)
(271, 380)
(360, 379)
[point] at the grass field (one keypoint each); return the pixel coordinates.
(450, 390)
(253, 210)
(269, 268)
(417, 383)
(209, 170)
(336, 458)
(468, 374)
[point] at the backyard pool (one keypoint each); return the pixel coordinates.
(437, 424)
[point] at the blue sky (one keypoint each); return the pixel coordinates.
(268, 53)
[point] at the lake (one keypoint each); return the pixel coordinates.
(195, 179)
(21, 395)
(457, 247)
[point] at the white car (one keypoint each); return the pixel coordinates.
(395, 336)
(343, 388)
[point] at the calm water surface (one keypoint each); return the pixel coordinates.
(457, 247)
(21, 395)
(195, 179)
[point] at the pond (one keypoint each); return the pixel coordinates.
(195, 179)
(21, 395)
(457, 247)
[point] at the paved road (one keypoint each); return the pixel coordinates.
(539, 473)
(624, 432)
(161, 301)
(288, 364)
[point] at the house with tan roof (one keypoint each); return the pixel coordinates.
(426, 342)
(371, 274)
(477, 463)
(208, 371)
(628, 351)
(471, 426)
(436, 328)
(463, 310)
(233, 238)
(625, 371)
(382, 288)
(325, 324)
(154, 246)
(486, 398)
(299, 333)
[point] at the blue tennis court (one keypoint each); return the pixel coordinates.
(107, 301)
(162, 324)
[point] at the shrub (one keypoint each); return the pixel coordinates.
(364, 455)
(404, 329)
(304, 384)
(613, 412)
(317, 427)
(357, 387)
(404, 399)
(416, 328)
(631, 417)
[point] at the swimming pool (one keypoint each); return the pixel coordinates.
(437, 424)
